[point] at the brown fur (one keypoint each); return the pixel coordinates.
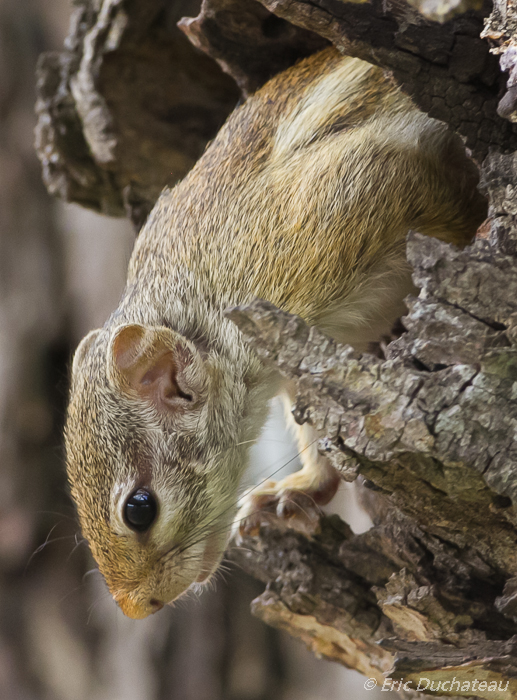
(305, 199)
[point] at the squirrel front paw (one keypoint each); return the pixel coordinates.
(294, 501)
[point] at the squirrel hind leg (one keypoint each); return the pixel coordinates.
(295, 500)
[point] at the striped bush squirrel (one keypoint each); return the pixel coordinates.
(304, 198)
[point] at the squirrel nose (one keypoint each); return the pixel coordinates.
(155, 604)
(138, 609)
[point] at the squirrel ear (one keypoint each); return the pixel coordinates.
(82, 349)
(157, 364)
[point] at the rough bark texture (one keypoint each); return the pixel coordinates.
(127, 107)
(500, 30)
(250, 43)
(431, 590)
(431, 429)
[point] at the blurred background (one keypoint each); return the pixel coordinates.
(62, 269)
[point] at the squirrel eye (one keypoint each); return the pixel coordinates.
(140, 510)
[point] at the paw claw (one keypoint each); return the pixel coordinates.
(292, 502)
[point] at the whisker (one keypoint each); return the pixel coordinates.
(94, 605)
(248, 492)
(251, 489)
(43, 545)
(54, 512)
(226, 528)
(67, 595)
(90, 572)
(232, 447)
(78, 543)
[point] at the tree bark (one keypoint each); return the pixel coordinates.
(127, 107)
(431, 429)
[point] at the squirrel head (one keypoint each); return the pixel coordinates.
(153, 460)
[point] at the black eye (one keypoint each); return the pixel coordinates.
(140, 510)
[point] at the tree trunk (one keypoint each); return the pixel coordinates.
(431, 591)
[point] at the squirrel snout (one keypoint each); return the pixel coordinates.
(156, 604)
(137, 609)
